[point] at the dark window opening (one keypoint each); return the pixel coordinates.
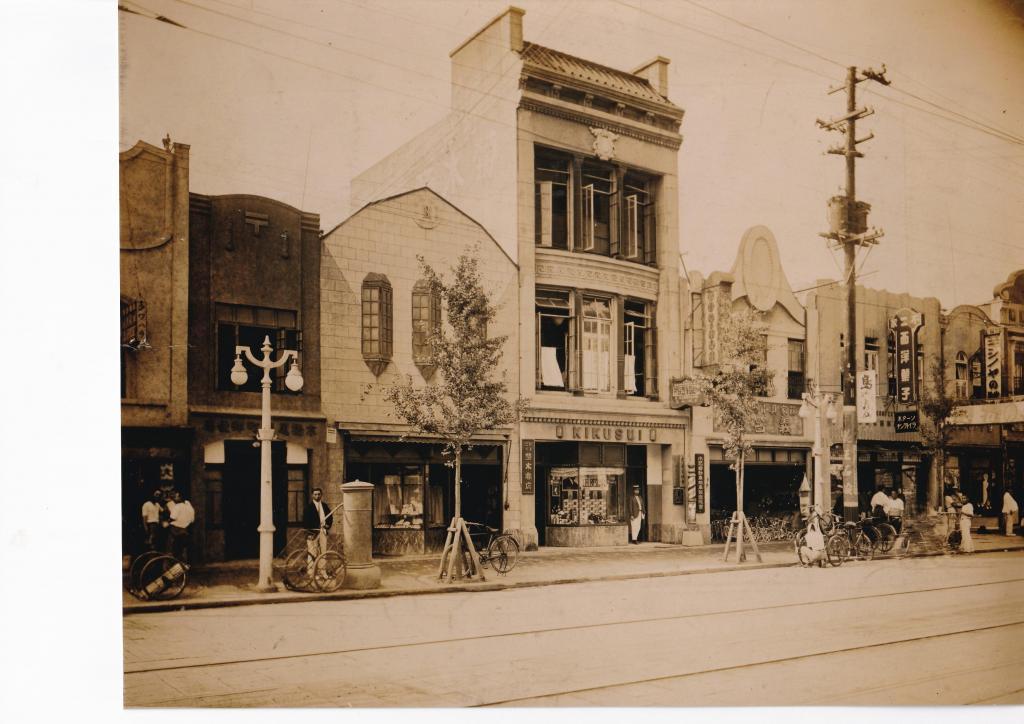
(551, 199)
(554, 332)
(796, 382)
(243, 326)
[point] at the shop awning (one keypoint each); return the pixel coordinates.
(396, 436)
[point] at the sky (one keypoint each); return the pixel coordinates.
(292, 99)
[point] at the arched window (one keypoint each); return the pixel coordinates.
(426, 318)
(960, 381)
(377, 324)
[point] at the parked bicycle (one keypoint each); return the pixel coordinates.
(318, 567)
(156, 576)
(837, 545)
(497, 549)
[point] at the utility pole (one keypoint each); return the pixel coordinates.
(849, 230)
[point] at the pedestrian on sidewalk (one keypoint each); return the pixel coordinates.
(1010, 511)
(966, 515)
(317, 521)
(182, 516)
(636, 515)
(152, 511)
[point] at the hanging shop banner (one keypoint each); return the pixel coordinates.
(867, 396)
(903, 327)
(698, 479)
(906, 421)
(685, 392)
(529, 468)
(993, 363)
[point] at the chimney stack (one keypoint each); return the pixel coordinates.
(656, 73)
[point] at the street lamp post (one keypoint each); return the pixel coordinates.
(817, 404)
(293, 381)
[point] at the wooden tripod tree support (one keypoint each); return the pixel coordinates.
(738, 527)
(454, 562)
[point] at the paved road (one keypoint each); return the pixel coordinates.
(924, 631)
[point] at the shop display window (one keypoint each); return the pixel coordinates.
(398, 498)
(585, 496)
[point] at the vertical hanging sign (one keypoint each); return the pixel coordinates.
(529, 466)
(903, 328)
(698, 479)
(867, 396)
(993, 362)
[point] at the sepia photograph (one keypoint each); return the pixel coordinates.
(603, 357)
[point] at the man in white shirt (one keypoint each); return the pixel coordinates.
(1010, 511)
(895, 511)
(151, 511)
(182, 517)
(880, 503)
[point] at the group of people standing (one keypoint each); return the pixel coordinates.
(167, 519)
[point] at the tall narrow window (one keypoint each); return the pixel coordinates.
(426, 320)
(597, 186)
(377, 340)
(1017, 383)
(637, 211)
(795, 378)
(554, 321)
(960, 382)
(639, 352)
(597, 338)
(977, 374)
(551, 199)
(871, 349)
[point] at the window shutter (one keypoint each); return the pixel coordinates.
(574, 353)
(651, 356)
(575, 243)
(615, 213)
(587, 224)
(537, 372)
(545, 212)
(650, 251)
(620, 335)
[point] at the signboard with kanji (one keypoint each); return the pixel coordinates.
(867, 396)
(685, 392)
(529, 466)
(903, 327)
(698, 478)
(906, 421)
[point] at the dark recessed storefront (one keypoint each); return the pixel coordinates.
(414, 491)
(771, 482)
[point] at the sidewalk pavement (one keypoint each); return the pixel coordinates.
(232, 584)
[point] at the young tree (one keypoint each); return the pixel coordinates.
(466, 395)
(732, 391)
(937, 407)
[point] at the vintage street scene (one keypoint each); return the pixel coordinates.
(569, 354)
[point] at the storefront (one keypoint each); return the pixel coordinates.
(974, 465)
(414, 488)
(151, 459)
(898, 468)
(771, 481)
(584, 472)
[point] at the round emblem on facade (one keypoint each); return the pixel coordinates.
(604, 143)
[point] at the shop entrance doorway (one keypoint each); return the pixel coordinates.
(241, 498)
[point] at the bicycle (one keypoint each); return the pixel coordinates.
(837, 548)
(497, 549)
(156, 576)
(305, 571)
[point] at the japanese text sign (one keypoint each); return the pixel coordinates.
(903, 329)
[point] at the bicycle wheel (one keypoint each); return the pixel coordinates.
(298, 572)
(328, 571)
(886, 537)
(799, 540)
(163, 577)
(135, 569)
(503, 553)
(863, 547)
(837, 548)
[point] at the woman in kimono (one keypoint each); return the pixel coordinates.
(966, 515)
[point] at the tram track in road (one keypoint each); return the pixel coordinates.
(172, 666)
(824, 701)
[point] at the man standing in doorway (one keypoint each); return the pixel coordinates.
(636, 515)
(317, 521)
(151, 516)
(183, 515)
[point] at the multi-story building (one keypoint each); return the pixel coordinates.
(573, 165)
(983, 350)
(898, 340)
(781, 457)
(155, 437)
(254, 274)
(378, 312)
